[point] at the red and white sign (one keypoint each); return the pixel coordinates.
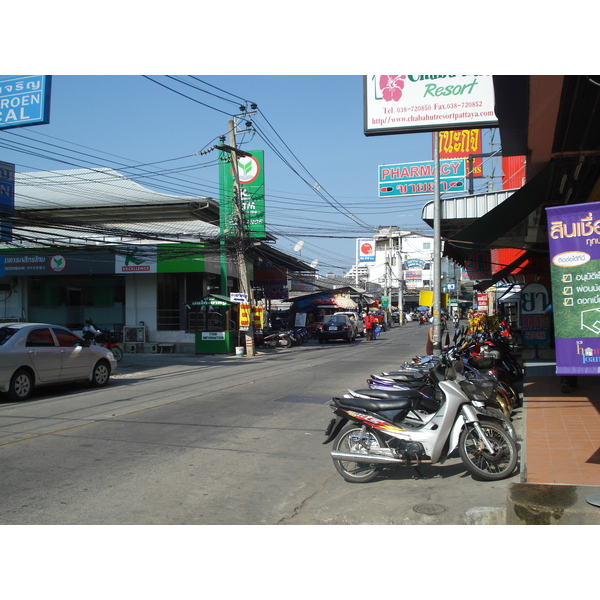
(366, 250)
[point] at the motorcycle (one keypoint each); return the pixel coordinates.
(278, 338)
(374, 429)
(104, 340)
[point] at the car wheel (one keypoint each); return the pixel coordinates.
(101, 374)
(21, 385)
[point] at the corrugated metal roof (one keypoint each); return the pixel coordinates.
(466, 207)
(84, 187)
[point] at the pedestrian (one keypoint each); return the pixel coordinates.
(369, 326)
(429, 345)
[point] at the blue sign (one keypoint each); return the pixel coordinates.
(24, 100)
(7, 200)
(418, 178)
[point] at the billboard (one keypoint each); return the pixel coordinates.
(252, 190)
(24, 100)
(574, 241)
(410, 179)
(408, 103)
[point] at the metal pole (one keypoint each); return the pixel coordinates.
(437, 249)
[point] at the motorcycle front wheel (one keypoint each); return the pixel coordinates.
(117, 353)
(479, 461)
(352, 439)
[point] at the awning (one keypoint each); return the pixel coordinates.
(344, 302)
(507, 215)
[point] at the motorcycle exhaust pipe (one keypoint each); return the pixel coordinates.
(366, 458)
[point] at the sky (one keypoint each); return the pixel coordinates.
(321, 171)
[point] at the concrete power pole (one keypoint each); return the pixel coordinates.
(242, 240)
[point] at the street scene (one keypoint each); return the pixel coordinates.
(320, 305)
(222, 440)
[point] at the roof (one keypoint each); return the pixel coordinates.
(101, 195)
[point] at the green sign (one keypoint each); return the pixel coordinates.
(252, 190)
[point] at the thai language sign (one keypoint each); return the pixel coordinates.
(460, 144)
(574, 240)
(24, 100)
(535, 320)
(7, 200)
(418, 178)
(406, 103)
(252, 191)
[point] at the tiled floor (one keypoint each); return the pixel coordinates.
(562, 437)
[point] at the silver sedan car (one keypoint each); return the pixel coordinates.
(35, 354)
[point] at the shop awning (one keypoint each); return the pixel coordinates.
(344, 302)
(501, 219)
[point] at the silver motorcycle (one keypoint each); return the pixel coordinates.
(374, 429)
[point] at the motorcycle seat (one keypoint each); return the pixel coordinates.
(381, 400)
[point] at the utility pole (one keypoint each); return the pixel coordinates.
(437, 249)
(241, 240)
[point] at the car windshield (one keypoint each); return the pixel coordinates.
(335, 320)
(6, 333)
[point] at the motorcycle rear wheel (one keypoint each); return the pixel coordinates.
(478, 460)
(352, 439)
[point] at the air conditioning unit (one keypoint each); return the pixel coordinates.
(134, 334)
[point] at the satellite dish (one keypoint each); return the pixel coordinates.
(298, 246)
(314, 263)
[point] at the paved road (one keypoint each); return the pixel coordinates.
(219, 440)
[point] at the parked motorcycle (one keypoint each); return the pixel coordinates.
(278, 338)
(373, 429)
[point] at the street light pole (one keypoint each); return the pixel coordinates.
(437, 249)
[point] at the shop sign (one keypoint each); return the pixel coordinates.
(56, 263)
(24, 100)
(244, 315)
(461, 144)
(535, 321)
(482, 302)
(410, 179)
(213, 336)
(414, 263)
(7, 200)
(477, 266)
(366, 250)
(252, 190)
(408, 103)
(574, 241)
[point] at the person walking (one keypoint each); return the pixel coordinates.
(369, 326)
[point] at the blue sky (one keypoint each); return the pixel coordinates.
(311, 129)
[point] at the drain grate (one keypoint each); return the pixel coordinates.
(429, 509)
(301, 398)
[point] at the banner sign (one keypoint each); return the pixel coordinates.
(408, 103)
(418, 178)
(366, 250)
(7, 200)
(535, 321)
(460, 144)
(252, 190)
(244, 308)
(574, 240)
(24, 100)
(477, 266)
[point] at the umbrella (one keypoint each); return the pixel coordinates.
(423, 308)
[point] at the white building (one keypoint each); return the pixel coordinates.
(403, 265)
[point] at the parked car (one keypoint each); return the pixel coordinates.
(360, 324)
(336, 327)
(36, 354)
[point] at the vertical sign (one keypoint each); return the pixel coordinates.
(252, 190)
(460, 144)
(574, 240)
(7, 200)
(244, 308)
(24, 100)
(535, 321)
